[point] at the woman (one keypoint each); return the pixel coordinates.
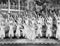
(33, 28)
(58, 27)
(2, 29)
(18, 33)
(57, 17)
(40, 23)
(24, 31)
(49, 24)
(29, 31)
(11, 26)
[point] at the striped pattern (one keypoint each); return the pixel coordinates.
(25, 41)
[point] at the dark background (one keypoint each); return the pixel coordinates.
(53, 1)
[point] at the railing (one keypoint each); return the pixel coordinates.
(8, 7)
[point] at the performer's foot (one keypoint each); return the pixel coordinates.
(17, 37)
(59, 38)
(10, 37)
(2, 37)
(48, 37)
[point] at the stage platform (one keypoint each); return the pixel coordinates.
(25, 41)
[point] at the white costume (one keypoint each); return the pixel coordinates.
(25, 27)
(18, 34)
(40, 24)
(32, 29)
(58, 28)
(2, 30)
(11, 30)
(29, 32)
(49, 26)
(18, 27)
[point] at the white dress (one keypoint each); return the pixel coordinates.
(58, 32)
(39, 31)
(32, 30)
(40, 24)
(29, 32)
(49, 27)
(18, 31)
(58, 29)
(24, 31)
(49, 31)
(11, 31)
(2, 32)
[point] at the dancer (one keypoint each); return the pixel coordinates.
(11, 26)
(2, 29)
(57, 17)
(24, 31)
(33, 28)
(18, 33)
(49, 23)
(40, 23)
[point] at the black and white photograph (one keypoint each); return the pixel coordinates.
(29, 22)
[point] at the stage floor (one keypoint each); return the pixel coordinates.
(25, 41)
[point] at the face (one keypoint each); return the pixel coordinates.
(38, 9)
(19, 20)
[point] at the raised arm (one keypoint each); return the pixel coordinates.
(55, 15)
